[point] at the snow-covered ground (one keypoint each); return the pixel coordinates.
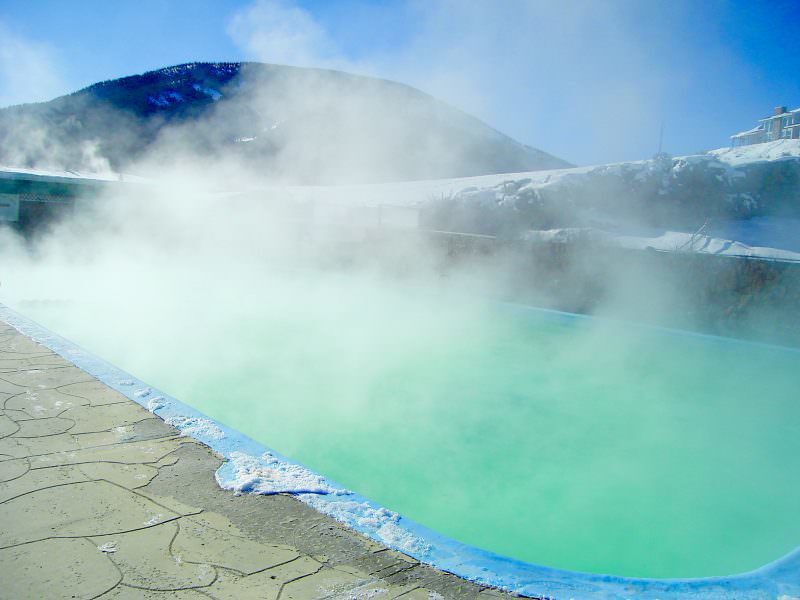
(758, 236)
(764, 238)
(407, 193)
(777, 150)
(16, 172)
(414, 192)
(7, 172)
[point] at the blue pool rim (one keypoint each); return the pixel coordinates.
(780, 578)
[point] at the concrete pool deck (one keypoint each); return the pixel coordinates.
(99, 498)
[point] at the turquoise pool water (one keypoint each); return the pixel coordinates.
(575, 444)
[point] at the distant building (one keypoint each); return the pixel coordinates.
(784, 124)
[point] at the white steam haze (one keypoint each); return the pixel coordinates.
(477, 54)
(206, 242)
(283, 33)
(177, 284)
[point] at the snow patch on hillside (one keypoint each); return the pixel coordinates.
(167, 98)
(210, 92)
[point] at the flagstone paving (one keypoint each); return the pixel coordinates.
(101, 499)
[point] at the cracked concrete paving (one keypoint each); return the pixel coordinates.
(101, 499)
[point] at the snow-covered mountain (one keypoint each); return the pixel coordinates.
(294, 124)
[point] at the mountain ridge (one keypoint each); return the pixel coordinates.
(305, 125)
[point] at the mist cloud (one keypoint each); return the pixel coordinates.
(29, 70)
(590, 82)
(281, 32)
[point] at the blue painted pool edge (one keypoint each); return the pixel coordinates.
(778, 579)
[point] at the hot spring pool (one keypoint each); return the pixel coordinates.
(571, 443)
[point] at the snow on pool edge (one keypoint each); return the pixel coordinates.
(267, 474)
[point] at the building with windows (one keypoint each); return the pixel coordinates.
(783, 124)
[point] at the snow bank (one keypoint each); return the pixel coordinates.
(769, 151)
(382, 521)
(195, 427)
(668, 241)
(267, 474)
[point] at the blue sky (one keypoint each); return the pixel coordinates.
(590, 81)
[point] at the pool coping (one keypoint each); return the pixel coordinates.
(251, 467)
